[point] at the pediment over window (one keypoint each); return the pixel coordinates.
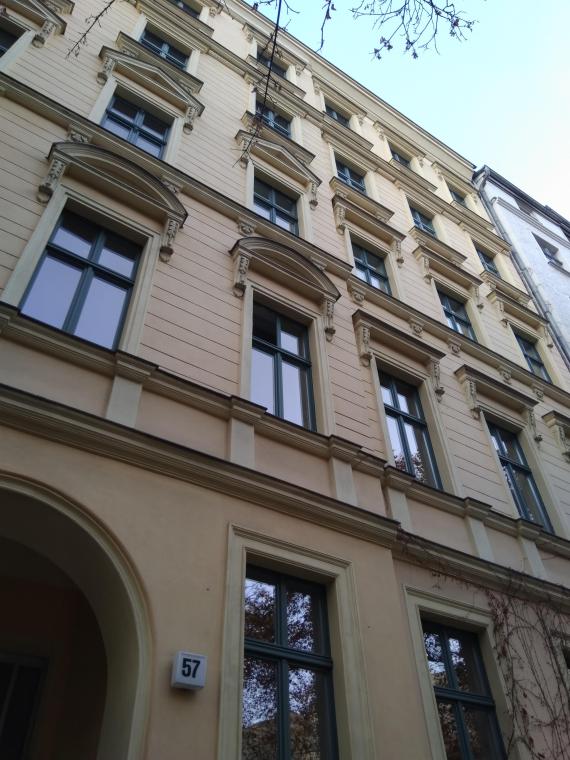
(511, 309)
(41, 13)
(153, 78)
(253, 123)
(354, 210)
(287, 267)
(117, 177)
(505, 288)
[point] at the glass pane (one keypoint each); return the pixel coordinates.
(127, 110)
(375, 281)
(528, 494)
(287, 204)
(420, 455)
(481, 731)
(261, 189)
(307, 726)
(396, 443)
(294, 400)
(434, 652)
(464, 663)
(155, 149)
(408, 399)
(264, 324)
(118, 255)
(259, 610)
(360, 273)
(18, 718)
(448, 724)
(116, 128)
(52, 292)
(303, 621)
(259, 720)
(386, 391)
(285, 223)
(75, 235)
(262, 210)
(292, 337)
(262, 379)
(101, 312)
(154, 125)
(511, 447)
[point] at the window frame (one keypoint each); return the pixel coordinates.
(165, 49)
(423, 222)
(364, 266)
(337, 115)
(283, 655)
(344, 172)
(457, 197)
(277, 69)
(268, 116)
(187, 8)
(136, 126)
(532, 356)
(487, 261)
(399, 157)
(454, 319)
(272, 207)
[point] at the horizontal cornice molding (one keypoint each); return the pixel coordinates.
(497, 283)
(258, 126)
(478, 384)
(531, 221)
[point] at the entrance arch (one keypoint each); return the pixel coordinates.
(68, 537)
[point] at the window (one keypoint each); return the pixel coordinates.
(7, 39)
(533, 359)
(407, 429)
(524, 206)
(164, 49)
(273, 120)
(399, 157)
(186, 8)
(265, 60)
(337, 115)
(371, 269)
(466, 709)
(350, 177)
(288, 711)
(136, 125)
(281, 367)
(457, 196)
(519, 477)
(20, 685)
(275, 206)
(456, 315)
(422, 221)
(83, 282)
(488, 262)
(549, 250)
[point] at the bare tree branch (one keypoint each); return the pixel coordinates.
(92, 21)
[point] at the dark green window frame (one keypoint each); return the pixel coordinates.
(533, 358)
(90, 268)
(265, 60)
(350, 177)
(136, 125)
(456, 315)
(7, 39)
(337, 115)
(519, 477)
(273, 120)
(277, 205)
(186, 8)
(291, 617)
(422, 222)
(488, 262)
(462, 692)
(399, 157)
(371, 268)
(392, 389)
(22, 679)
(164, 49)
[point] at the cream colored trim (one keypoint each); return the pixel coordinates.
(16, 50)
(354, 719)
(103, 99)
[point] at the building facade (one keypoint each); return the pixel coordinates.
(272, 393)
(540, 245)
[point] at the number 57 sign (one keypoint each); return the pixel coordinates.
(188, 670)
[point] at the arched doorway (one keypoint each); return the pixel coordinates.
(63, 579)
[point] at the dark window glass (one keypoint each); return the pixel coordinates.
(84, 281)
(186, 8)
(164, 49)
(281, 367)
(533, 358)
(456, 315)
(408, 431)
(275, 206)
(371, 269)
(274, 120)
(488, 262)
(136, 125)
(399, 157)
(457, 196)
(550, 251)
(422, 221)
(20, 684)
(519, 477)
(288, 709)
(337, 115)
(350, 177)
(7, 39)
(465, 705)
(265, 60)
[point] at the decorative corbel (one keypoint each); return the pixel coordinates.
(547, 336)
(171, 185)
(505, 373)
(360, 117)
(563, 441)
(51, 181)
(363, 343)
(340, 218)
(313, 200)
(316, 87)
(245, 227)
(319, 263)
(299, 69)
(241, 268)
(416, 325)
(472, 400)
(397, 248)
(189, 118)
(420, 159)
(502, 315)
(477, 293)
(436, 377)
(538, 392)
(170, 229)
(107, 70)
(531, 419)
(380, 129)
(426, 270)
(40, 38)
(357, 293)
(454, 346)
(328, 315)
(76, 134)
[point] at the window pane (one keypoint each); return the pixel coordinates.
(396, 443)
(75, 235)
(386, 391)
(284, 202)
(421, 460)
(117, 129)
(101, 312)
(285, 223)
(481, 732)
(464, 664)
(119, 256)
(262, 380)
(52, 292)
(127, 110)
(436, 662)
(155, 149)
(528, 494)
(259, 610)
(293, 393)
(306, 725)
(259, 721)
(408, 399)
(448, 724)
(264, 324)
(303, 621)
(155, 126)
(292, 337)
(262, 210)
(260, 188)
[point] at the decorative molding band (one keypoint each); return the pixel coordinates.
(559, 424)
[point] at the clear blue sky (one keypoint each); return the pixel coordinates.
(500, 98)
